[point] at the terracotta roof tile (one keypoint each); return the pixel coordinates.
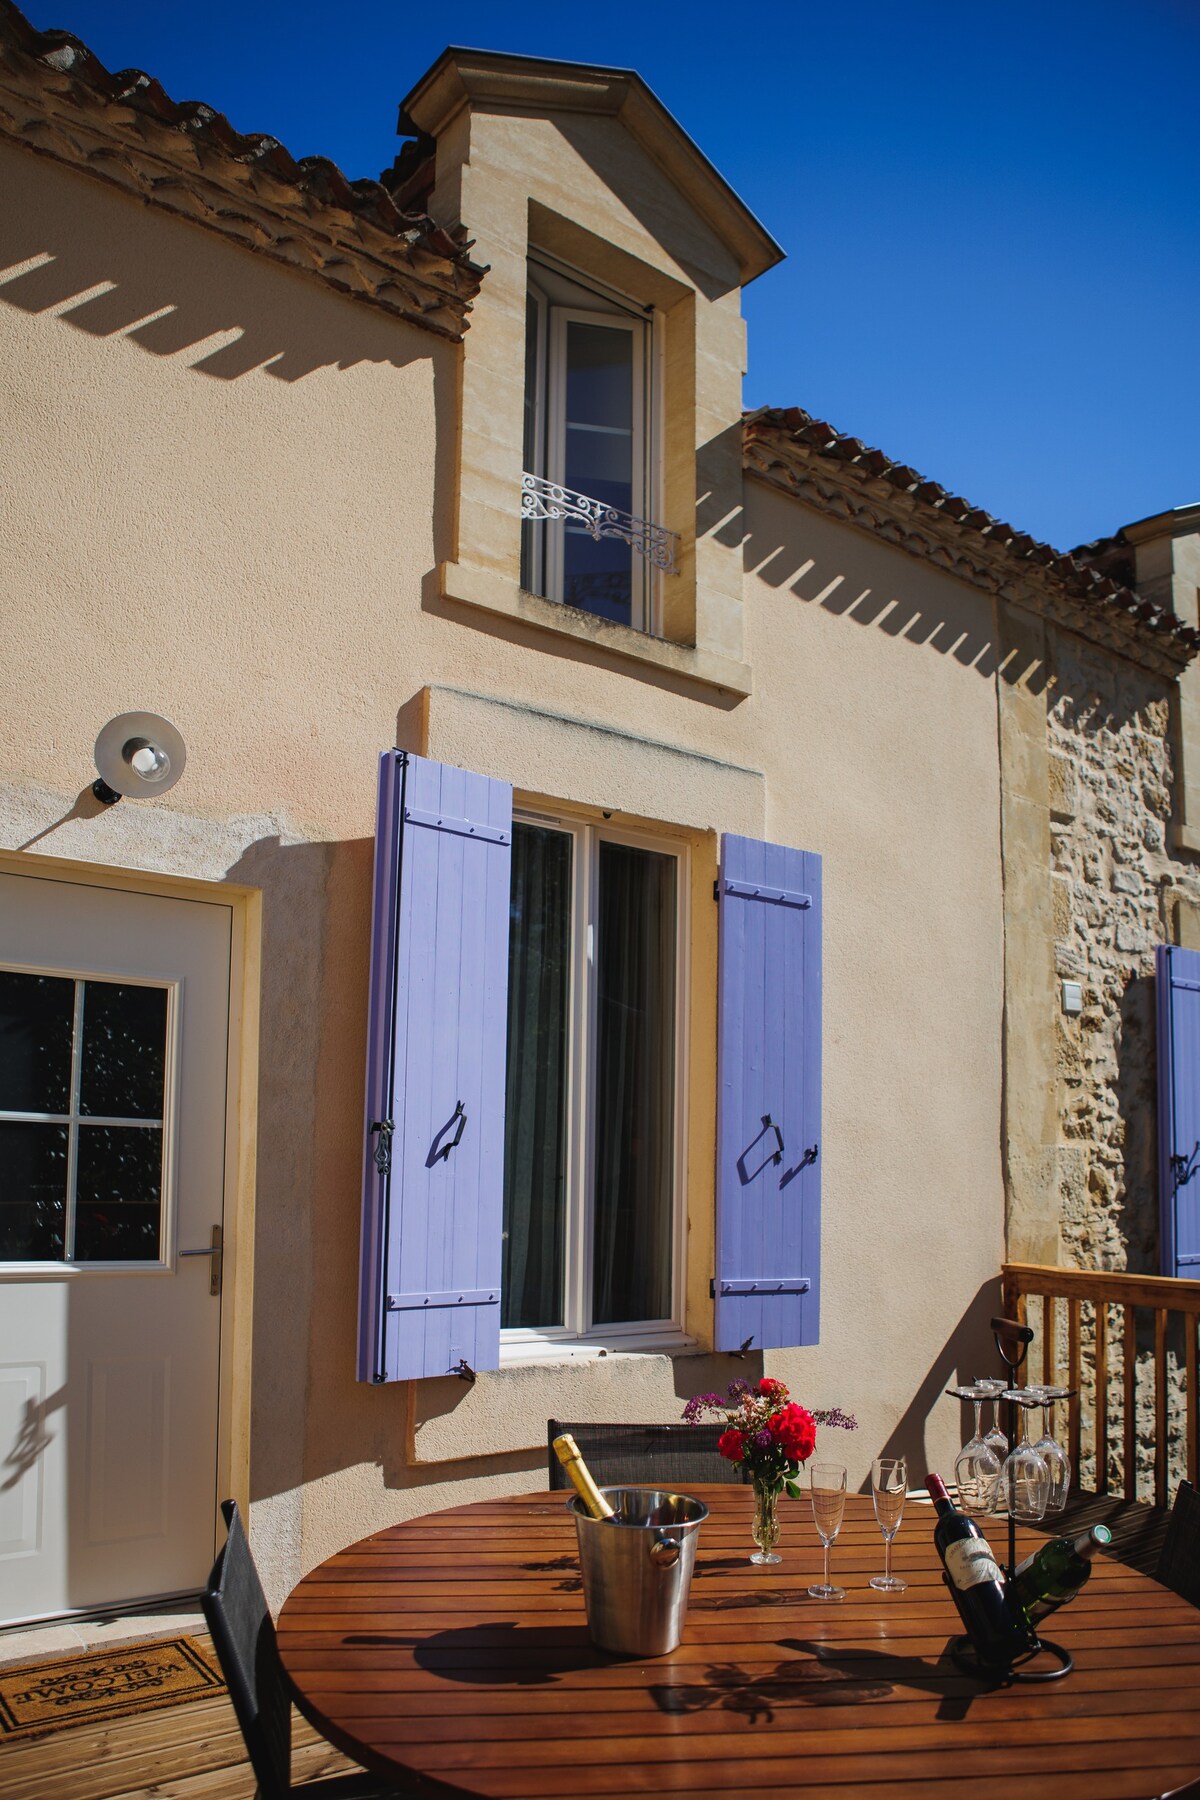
(1091, 580)
(57, 97)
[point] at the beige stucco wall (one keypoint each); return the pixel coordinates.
(234, 515)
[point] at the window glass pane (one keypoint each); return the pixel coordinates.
(598, 577)
(635, 1084)
(36, 1013)
(124, 1051)
(118, 1190)
(33, 1194)
(535, 1127)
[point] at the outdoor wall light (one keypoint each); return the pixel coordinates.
(138, 754)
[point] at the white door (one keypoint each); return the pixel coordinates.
(114, 1024)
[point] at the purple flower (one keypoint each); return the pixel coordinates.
(700, 1404)
(737, 1387)
(763, 1439)
(834, 1416)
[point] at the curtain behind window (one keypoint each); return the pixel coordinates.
(535, 1133)
(634, 1084)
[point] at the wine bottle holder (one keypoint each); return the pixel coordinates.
(965, 1657)
(1012, 1342)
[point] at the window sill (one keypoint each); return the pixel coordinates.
(481, 588)
(519, 1352)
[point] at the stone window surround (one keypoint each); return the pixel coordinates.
(496, 589)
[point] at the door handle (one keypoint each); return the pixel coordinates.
(216, 1251)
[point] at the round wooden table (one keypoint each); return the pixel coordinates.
(455, 1646)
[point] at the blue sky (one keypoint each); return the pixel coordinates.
(990, 211)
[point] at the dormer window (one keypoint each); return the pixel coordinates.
(589, 484)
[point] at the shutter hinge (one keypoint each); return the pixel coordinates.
(464, 1371)
(383, 1149)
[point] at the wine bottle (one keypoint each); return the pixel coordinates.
(581, 1478)
(1055, 1573)
(976, 1583)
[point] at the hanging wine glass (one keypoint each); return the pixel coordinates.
(1052, 1453)
(994, 1438)
(1025, 1478)
(977, 1467)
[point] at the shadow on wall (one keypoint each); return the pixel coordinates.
(114, 270)
(969, 1348)
(1137, 1103)
(299, 1043)
(848, 572)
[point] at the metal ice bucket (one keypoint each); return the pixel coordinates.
(637, 1567)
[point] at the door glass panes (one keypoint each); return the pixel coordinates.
(117, 1196)
(33, 1195)
(124, 1050)
(82, 1094)
(599, 462)
(634, 1085)
(535, 1126)
(36, 1022)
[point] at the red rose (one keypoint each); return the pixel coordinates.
(732, 1445)
(795, 1431)
(768, 1386)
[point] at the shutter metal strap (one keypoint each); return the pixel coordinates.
(757, 890)
(451, 1297)
(492, 834)
(787, 1284)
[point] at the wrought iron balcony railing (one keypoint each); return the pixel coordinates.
(542, 499)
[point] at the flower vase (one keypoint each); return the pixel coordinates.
(765, 1529)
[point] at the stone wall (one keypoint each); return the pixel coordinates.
(1117, 892)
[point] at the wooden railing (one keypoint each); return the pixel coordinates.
(1090, 1300)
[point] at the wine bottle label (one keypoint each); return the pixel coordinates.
(970, 1561)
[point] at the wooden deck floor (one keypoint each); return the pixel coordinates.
(191, 1752)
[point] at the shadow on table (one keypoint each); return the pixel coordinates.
(822, 1677)
(509, 1654)
(506, 1653)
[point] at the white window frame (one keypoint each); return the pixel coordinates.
(74, 1121)
(548, 458)
(576, 1337)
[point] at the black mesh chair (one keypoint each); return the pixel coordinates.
(1179, 1560)
(675, 1456)
(243, 1636)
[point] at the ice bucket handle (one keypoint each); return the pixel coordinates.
(665, 1551)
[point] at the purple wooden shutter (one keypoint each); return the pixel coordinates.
(768, 1266)
(433, 1169)
(1178, 980)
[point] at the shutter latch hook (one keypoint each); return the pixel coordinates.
(383, 1149)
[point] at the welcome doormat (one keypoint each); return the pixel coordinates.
(98, 1685)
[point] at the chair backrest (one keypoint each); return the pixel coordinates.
(243, 1635)
(1179, 1560)
(644, 1455)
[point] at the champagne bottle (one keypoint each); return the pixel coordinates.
(567, 1452)
(976, 1583)
(1056, 1572)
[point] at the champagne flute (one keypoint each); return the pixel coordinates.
(889, 1484)
(828, 1504)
